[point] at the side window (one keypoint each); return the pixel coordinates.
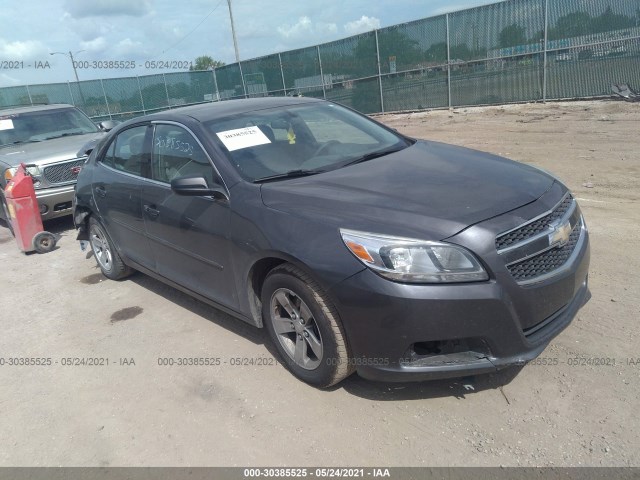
(128, 152)
(177, 154)
(108, 158)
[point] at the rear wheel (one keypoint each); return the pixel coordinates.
(305, 327)
(106, 255)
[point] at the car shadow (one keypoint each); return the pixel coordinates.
(203, 310)
(458, 388)
(60, 227)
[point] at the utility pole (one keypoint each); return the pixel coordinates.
(233, 32)
(75, 71)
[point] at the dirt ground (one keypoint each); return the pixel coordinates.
(134, 412)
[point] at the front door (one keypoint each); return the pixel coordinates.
(188, 235)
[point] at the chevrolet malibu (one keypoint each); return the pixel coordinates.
(356, 247)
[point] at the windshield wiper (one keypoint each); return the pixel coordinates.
(371, 156)
(289, 174)
(69, 134)
(17, 142)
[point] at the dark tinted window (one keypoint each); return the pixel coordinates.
(128, 151)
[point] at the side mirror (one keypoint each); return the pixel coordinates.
(195, 186)
(87, 148)
(108, 125)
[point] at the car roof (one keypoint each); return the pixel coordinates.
(32, 108)
(209, 111)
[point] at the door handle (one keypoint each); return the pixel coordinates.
(151, 211)
(101, 191)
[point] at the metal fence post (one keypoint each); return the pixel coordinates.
(244, 86)
(324, 91)
(73, 102)
(379, 73)
(141, 97)
(215, 84)
(544, 63)
(106, 101)
(448, 62)
(29, 94)
(166, 90)
(284, 85)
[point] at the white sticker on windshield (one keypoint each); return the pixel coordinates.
(6, 124)
(243, 138)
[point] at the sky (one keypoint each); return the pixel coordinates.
(138, 32)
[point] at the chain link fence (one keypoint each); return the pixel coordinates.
(511, 51)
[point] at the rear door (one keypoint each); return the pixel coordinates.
(188, 235)
(117, 184)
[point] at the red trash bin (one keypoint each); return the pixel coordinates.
(25, 214)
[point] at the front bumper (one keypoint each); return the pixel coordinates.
(56, 200)
(400, 332)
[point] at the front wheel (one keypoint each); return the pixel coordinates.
(106, 255)
(305, 327)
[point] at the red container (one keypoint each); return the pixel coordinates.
(25, 214)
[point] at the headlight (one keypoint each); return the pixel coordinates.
(414, 261)
(34, 171)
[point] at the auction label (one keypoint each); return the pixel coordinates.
(6, 124)
(243, 138)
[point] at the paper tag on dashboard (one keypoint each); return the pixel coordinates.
(243, 138)
(6, 124)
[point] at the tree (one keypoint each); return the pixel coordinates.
(573, 24)
(609, 21)
(577, 24)
(463, 52)
(205, 62)
(437, 53)
(512, 36)
(394, 43)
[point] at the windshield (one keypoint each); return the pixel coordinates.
(286, 142)
(43, 125)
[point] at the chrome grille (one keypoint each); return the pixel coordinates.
(534, 228)
(62, 172)
(543, 246)
(546, 262)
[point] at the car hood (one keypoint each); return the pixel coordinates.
(429, 190)
(47, 151)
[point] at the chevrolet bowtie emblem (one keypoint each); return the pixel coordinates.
(560, 235)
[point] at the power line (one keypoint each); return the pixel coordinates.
(194, 29)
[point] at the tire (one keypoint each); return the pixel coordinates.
(44, 242)
(305, 327)
(107, 257)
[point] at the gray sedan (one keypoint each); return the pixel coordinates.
(357, 248)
